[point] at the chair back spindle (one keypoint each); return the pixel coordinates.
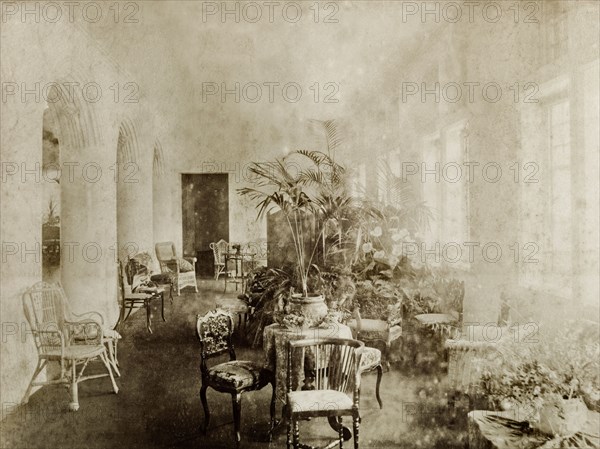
(332, 363)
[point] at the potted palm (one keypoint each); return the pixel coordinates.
(278, 188)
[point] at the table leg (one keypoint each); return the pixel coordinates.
(162, 305)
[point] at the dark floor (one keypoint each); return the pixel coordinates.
(158, 404)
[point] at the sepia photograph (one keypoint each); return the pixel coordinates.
(303, 224)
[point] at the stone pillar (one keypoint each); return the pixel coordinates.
(134, 192)
(88, 221)
(21, 237)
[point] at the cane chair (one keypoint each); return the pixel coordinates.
(373, 331)
(235, 377)
(110, 336)
(219, 249)
(70, 343)
(138, 300)
(332, 370)
(171, 264)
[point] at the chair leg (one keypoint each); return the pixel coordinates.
(162, 306)
(388, 349)
(148, 316)
(38, 369)
(74, 404)
(111, 345)
(355, 429)
(296, 435)
(106, 362)
(379, 376)
(341, 433)
(205, 407)
(289, 434)
(236, 400)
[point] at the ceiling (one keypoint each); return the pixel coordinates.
(175, 53)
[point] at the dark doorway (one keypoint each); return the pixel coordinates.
(205, 202)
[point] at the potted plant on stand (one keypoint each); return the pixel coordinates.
(277, 188)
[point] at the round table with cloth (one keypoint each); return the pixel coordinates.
(275, 340)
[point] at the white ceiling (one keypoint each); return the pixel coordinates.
(171, 52)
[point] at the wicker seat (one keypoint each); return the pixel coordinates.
(71, 343)
(372, 331)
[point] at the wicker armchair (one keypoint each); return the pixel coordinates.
(219, 249)
(171, 264)
(70, 343)
(373, 331)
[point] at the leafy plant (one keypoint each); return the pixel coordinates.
(563, 364)
(307, 186)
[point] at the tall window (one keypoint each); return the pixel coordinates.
(445, 190)
(557, 41)
(559, 140)
(547, 205)
(432, 193)
(454, 182)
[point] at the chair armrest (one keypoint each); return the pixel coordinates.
(45, 337)
(86, 315)
(84, 332)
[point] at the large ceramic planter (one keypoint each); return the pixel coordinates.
(313, 307)
(562, 417)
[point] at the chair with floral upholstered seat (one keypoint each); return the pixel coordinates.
(235, 377)
(182, 270)
(331, 386)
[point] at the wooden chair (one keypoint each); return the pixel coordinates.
(219, 249)
(70, 343)
(332, 368)
(170, 264)
(235, 377)
(137, 300)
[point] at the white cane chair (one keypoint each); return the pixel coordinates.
(70, 343)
